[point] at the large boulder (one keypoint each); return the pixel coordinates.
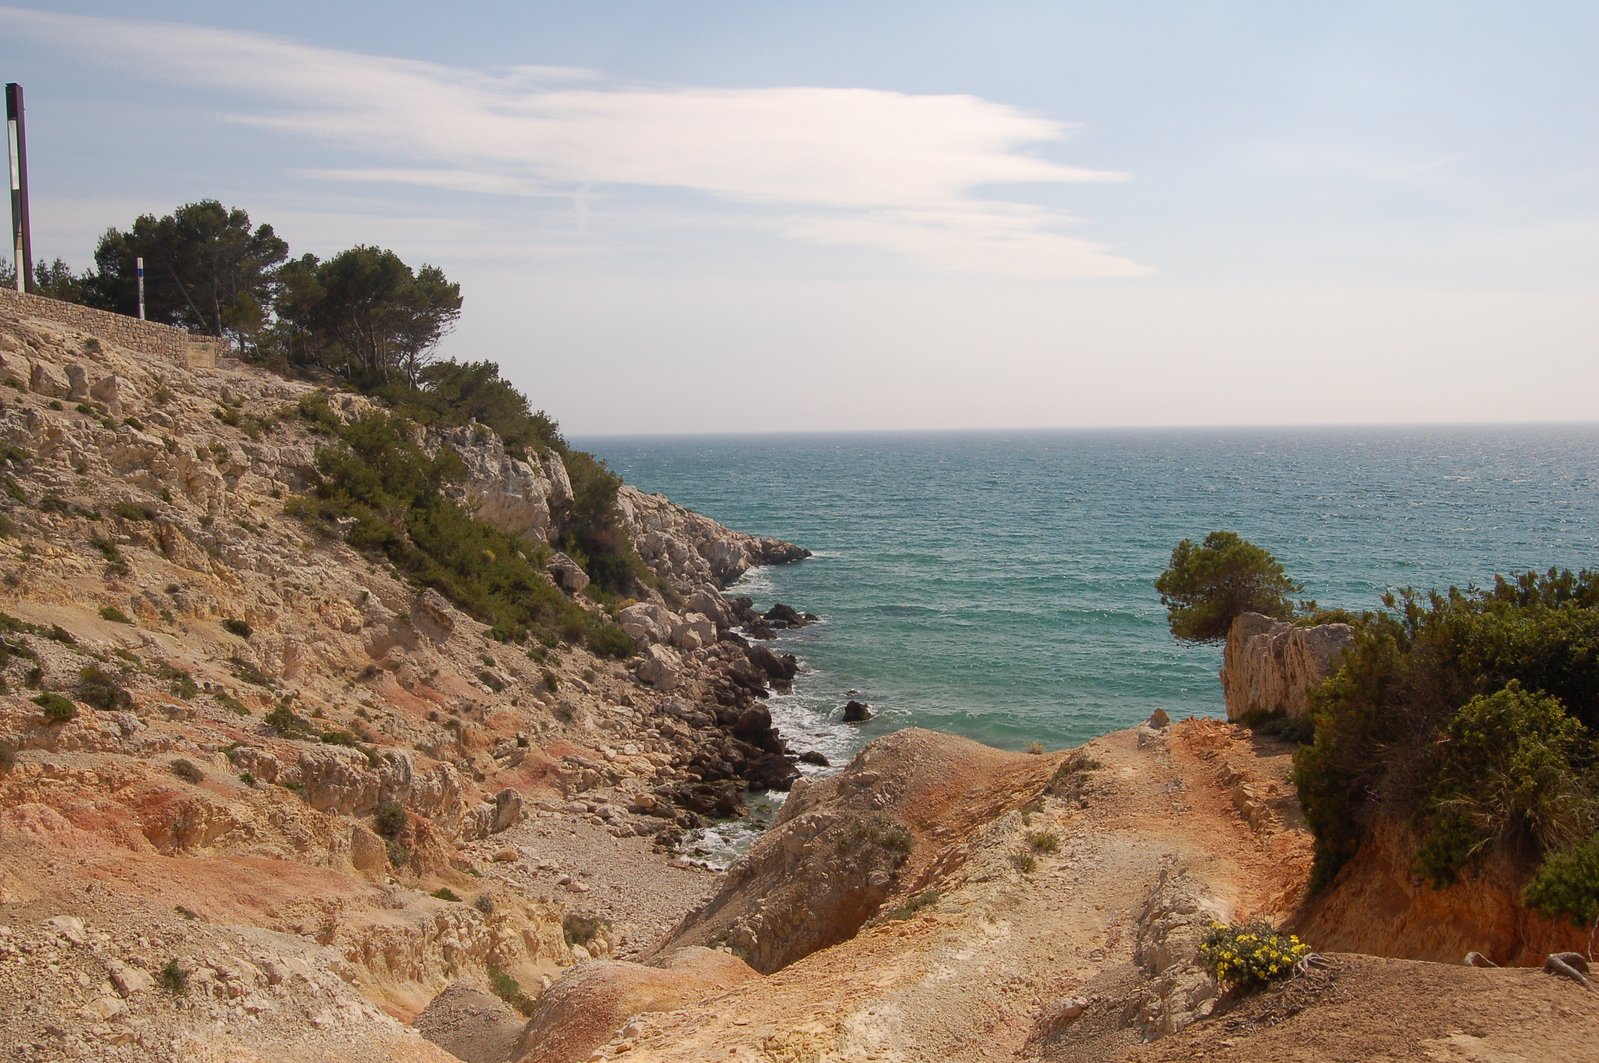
(593, 1001)
(648, 622)
(661, 668)
(838, 846)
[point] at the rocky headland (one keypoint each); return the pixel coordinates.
(264, 797)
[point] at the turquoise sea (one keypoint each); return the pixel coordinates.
(998, 584)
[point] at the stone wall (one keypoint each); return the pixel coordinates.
(177, 345)
(1271, 666)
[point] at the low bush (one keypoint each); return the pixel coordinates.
(1506, 777)
(102, 690)
(508, 989)
(445, 893)
(1026, 863)
(182, 683)
(234, 626)
(1251, 954)
(1567, 883)
(1043, 841)
(390, 819)
(912, 906)
(173, 978)
(288, 723)
(608, 640)
(8, 754)
(115, 615)
(57, 709)
(186, 770)
(580, 929)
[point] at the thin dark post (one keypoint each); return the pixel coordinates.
(21, 231)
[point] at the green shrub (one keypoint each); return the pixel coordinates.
(608, 640)
(579, 929)
(102, 690)
(182, 683)
(231, 703)
(1252, 954)
(1383, 744)
(1206, 587)
(115, 615)
(1300, 729)
(57, 709)
(288, 723)
(390, 819)
(186, 770)
(445, 893)
(132, 511)
(249, 673)
(912, 906)
(173, 978)
(1043, 841)
(508, 989)
(234, 626)
(1567, 883)
(1026, 863)
(1505, 776)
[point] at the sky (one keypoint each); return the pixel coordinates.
(746, 216)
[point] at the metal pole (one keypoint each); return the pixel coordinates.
(21, 231)
(139, 269)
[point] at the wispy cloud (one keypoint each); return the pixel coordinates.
(863, 167)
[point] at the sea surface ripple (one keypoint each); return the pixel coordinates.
(998, 584)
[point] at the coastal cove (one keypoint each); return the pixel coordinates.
(997, 585)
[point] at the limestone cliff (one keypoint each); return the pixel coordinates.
(1270, 666)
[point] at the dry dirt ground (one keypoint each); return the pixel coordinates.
(1085, 954)
(1369, 1008)
(1056, 876)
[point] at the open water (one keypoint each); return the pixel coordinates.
(998, 584)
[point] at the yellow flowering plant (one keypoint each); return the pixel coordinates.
(1250, 954)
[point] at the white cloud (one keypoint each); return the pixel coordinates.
(862, 167)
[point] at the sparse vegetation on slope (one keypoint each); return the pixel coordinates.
(390, 491)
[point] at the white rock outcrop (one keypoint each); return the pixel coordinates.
(1271, 666)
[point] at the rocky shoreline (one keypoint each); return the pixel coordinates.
(245, 700)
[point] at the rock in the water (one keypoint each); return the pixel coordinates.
(811, 756)
(857, 712)
(780, 669)
(785, 616)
